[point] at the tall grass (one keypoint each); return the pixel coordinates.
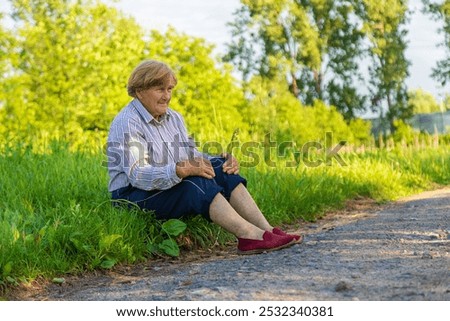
(287, 194)
(56, 218)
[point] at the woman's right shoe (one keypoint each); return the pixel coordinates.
(270, 242)
(278, 231)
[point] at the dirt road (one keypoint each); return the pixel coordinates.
(396, 252)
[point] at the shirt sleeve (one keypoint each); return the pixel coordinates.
(135, 153)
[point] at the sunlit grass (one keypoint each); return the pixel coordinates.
(56, 218)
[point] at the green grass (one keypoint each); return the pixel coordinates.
(287, 194)
(56, 218)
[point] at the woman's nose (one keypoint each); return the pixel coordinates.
(166, 94)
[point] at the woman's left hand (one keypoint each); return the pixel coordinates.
(231, 165)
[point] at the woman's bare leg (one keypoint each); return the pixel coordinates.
(223, 214)
(245, 206)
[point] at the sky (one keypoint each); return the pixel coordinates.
(208, 19)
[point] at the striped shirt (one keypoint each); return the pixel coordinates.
(143, 151)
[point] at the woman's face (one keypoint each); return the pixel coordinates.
(156, 99)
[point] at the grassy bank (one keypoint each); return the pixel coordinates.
(287, 194)
(55, 215)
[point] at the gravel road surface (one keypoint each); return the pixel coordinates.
(395, 252)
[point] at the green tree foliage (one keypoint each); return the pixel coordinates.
(274, 110)
(70, 62)
(423, 102)
(440, 11)
(361, 130)
(7, 43)
(302, 40)
(446, 102)
(383, 25)
(403, 132)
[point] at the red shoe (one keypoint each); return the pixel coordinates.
(297, 238)
(270, 242)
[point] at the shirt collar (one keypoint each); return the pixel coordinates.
(148, 118)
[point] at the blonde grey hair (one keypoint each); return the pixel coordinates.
(148, 74)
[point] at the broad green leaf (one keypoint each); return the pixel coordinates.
(170, 247)
(152, 248)
(89, 249)
(107, 264)
(107, 240)
(59, 280)
(7, 269)
(12, 280)
(174, 227)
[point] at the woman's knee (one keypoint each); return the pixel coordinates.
(196, 185)
(198, 193)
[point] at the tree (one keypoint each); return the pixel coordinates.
(340, 49)
(302, 40)
(70, 65)
(274, 110)
(6, 44)
(440, 11)
(72, 60)
(383, 23)
(446, 102)
(423, 102)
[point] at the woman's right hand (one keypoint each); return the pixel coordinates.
(195, 167)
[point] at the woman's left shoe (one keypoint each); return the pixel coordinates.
(270, 242)
(297, 238)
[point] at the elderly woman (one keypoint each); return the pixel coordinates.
(154, 164)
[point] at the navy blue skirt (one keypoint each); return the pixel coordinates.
(192, 196)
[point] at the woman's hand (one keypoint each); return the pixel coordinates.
(231, 165)
(195, 167)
